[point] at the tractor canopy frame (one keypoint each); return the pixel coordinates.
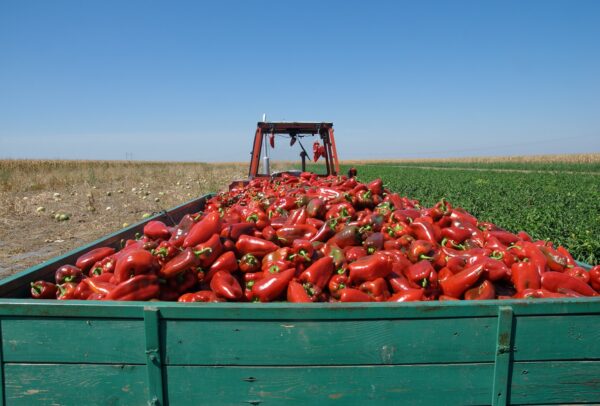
(295, 129)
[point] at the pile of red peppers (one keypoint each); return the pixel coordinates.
(323, 239)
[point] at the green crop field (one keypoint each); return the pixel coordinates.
(557, 201)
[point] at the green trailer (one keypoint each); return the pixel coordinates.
(159, 353)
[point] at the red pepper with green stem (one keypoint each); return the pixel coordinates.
(319, 273)
(165, 251)
(298, 293)
(302, 251)
(43, 290)
(422, 274)
(420, 250)
(68, 273)
(186, 259)
(209, 251)
(66, 291)
(249, 263)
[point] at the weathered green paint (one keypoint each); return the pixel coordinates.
(558, 382)
(348, 342)
(457, 384)
(153, 356)
(557, 338)
(502, 356)
(75, 384)
(73, 340)
(312, 311)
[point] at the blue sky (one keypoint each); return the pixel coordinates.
(188, 80)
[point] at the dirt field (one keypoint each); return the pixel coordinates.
(98, 198)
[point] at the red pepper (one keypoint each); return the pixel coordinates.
(297, 293)
(272, 286)
(165, 251)
(136, 262)
(595, 277)
(140, 287)
(201, 296)
(336, 284)
(297, 216)
(226, 262)
(319, 273)
(258, 219)
(419, 250)
(88, 259)
(505, 237)
(302, 251)
(208, 251)
(68, 273)
(349, 235)
(456, 284)
(485, 291)
(374, 242)
(203, 230)
(538, 294)
(249, 263)
(157, 230)
(225, 285)
(182, 230)
(43, 290)
(186, 259)
(316, 208)
(371, 267)
(234, 231)
(570, 260)
(424, 230)
(580, 273)
(552, 281)
(556, 261)
(255, 246)
(105, 265)
(354, 253)
(376, 186)
(410, 295)
(377, 289)
(325, 231)
(422, 274)
(456, 234)
(66, 291)
(525, 276)
(286, 235)
(353, 295)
